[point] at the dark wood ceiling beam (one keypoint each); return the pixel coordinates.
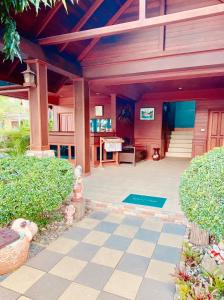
(165, 63)
(52, 12)
(156, 77)
(115, 17)
(84, 19)
(193, 14)
(56, 63)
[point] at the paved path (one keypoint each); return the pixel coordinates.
(160, 179)
(103, 257)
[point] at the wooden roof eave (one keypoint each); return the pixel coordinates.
(55, 62)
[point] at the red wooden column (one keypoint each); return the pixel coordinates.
(114, 112)
(38, 104)
(82, 124)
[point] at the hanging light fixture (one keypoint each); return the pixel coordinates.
(29, 77)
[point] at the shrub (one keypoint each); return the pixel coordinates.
(33, 188)
(16, 141)
(202, 192)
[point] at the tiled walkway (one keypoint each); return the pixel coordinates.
(152, 178)
(103, 257)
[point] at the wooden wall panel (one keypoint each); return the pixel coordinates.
(149, 133)
(185, 37)
(100, 100)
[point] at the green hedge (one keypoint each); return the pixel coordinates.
(202, 192)
(33, 188)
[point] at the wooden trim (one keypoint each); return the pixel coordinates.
(142, 9)
(193, 14)
(115, 17)
(162, 31)
(84, 19)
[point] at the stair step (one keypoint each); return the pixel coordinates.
(177, 154)
(182, 132)
(179, 150)
(181, 137)
(180, 145)
(180, 142)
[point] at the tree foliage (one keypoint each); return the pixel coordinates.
(8, 9)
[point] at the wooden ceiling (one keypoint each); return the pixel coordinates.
(84, 15)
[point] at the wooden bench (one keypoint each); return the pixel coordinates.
(132, 154)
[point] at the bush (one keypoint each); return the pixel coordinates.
(202, 192)
(16, 141)
(33, 188)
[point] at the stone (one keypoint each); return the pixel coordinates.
(210, 265)
(15, 254)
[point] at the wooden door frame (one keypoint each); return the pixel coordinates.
(219, 109)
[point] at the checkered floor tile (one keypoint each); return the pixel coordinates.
(104, 257)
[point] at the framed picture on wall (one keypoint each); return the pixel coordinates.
(99, 110)
(147, 113)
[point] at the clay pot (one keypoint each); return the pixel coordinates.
(156, 155)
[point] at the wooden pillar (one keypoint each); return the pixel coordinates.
(82, 124)
(114, 112)
(38, 105)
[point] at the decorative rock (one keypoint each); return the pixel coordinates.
(15, 254)
(210, 265)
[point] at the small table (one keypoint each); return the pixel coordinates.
(112, 144)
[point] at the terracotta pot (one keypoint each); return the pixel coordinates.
(14, 255)
(156, 155)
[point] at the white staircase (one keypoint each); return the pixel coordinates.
(180, 143)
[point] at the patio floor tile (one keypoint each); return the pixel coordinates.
(6, 294)
(109, 296)
(45, 260)
(126, 230)
(154, 271)
(174, 228)
(134, 264)
(142, 248)
(84, 251)
(96, 238)
(114, 218)
(62, 245)
(94, 275)
(123, 284)
(155, 225)
(107, 257)
(49, 287)
(118, 242)
(147, 235)
(134, 221)
(68, 268)
(172, 240)
(99, 215)
(76, 233)
(167, 254)
(88, 223)
(76, 291)
(106, 227)
(152, 289)
(22, 279)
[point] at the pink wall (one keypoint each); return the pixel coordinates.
(100, 100)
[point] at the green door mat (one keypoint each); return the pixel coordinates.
(145, 200)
